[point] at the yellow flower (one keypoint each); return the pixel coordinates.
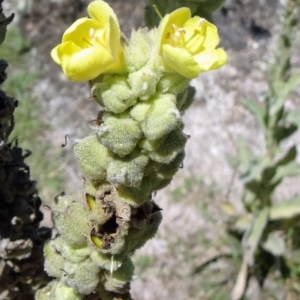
(188, 45)
(90, 46)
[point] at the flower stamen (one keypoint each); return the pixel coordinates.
(175, 36)
(92, 33)
(99, 41)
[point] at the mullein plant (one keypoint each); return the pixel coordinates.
(135, 148)
(21, 239)
(265, 228)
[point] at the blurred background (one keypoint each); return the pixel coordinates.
(193, 256)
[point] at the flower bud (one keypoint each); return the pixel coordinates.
(56, 290)
(172, 146)
(83, 277)
(54, 260)
(143, 83)
(114, 93)
(63, 292)
(136, 196)
(138, 50)
(139, 111)
(158, 183)
(92, 158)
(75, 255)
(107, 261)
(162, 117)
(73, 222)
(127, 171)
(185, 99)
(167, 171)
(118, 281)
(119, 133)
(172, 83)
(148, 145)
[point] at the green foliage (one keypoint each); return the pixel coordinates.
(264, 223)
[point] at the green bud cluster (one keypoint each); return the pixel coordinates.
(138, 142)
(136, 147)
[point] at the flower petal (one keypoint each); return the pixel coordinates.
(193, 34)
(55, 56)
(211, 59)
(178, 17)
(200, 35)
(113, 32)
(101, 11)
(86, 64)
(210, 32)
(65, 50)
(79, 32)
(180, 60)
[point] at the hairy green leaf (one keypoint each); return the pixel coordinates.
(244, 153)
(283, 132)
(293, 117)
(289, 156)
(282, 90)
(253, 236)
(258, 111)
(288, 170)
(293, 81)
(285, 210)
(274, 244)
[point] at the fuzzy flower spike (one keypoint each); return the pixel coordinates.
(90, 46)
(136, 147)
(188, 45)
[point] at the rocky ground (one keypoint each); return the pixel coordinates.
(193, 227)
